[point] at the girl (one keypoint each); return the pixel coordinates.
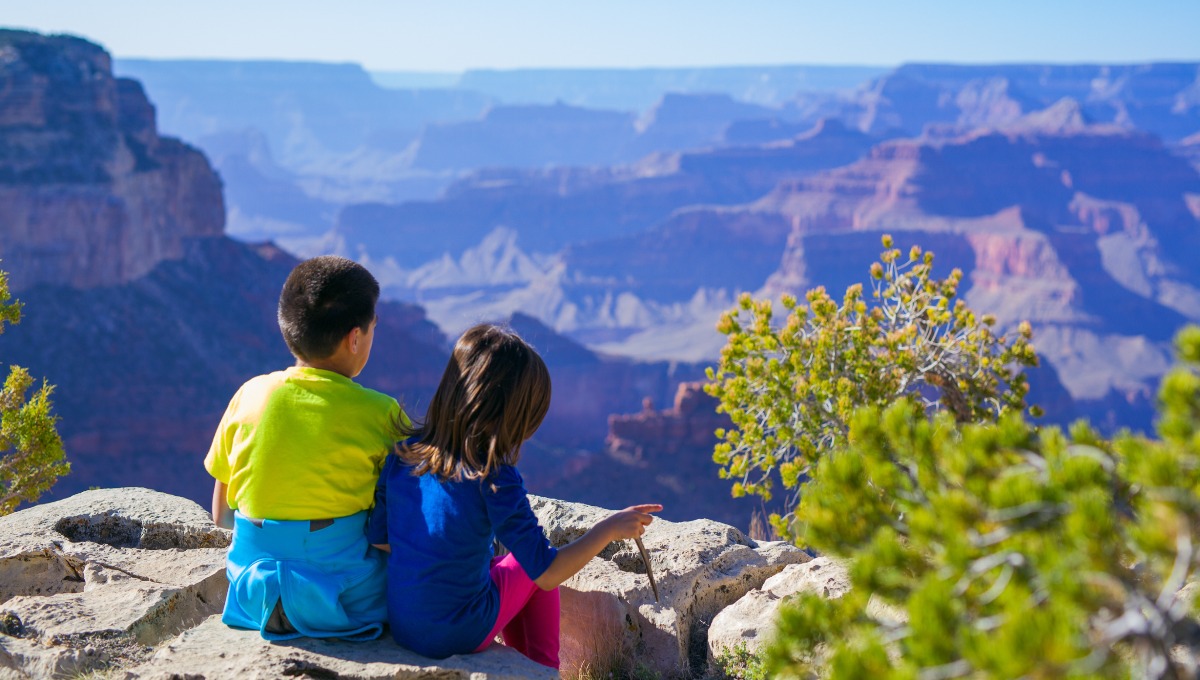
(451, 489)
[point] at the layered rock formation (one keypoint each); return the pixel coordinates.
(552, 208)
(635, 263)
(1050, 226)
(80, 147)
(1042, 212)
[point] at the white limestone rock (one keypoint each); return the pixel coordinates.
(609, 615)
(104, 572)
(213, 650)
(751, 620)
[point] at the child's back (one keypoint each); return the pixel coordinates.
(444, 603)
(303, 443)
(296, 458)
(453, 488)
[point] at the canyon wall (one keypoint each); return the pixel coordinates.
(90, 194)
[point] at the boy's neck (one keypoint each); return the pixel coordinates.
(349, 357)
(330, 364)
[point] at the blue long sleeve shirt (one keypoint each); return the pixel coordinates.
(441, 598)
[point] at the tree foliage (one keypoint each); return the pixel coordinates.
(998, 550)
(31, 452)
(790, 390)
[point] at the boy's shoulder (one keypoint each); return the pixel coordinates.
(377, 399)
(259, 387)
(363, 402)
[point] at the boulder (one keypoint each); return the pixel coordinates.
(214, 650)
(609, 615)
(96, 578)
(751, 620)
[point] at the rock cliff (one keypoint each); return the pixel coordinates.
(90, 194)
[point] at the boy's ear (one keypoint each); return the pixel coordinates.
(353, 338)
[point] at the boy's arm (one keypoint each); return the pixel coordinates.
(221, 512)
(217, 464)
(377, 534)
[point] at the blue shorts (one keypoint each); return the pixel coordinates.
(328, 579)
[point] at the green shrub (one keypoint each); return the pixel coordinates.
(738, 663)
(1008, 551)
(790, 391)
(31, 452)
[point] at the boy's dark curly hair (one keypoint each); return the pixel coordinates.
(322, 300)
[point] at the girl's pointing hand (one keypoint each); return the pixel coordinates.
(630, 522)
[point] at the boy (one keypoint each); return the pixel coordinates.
(295, 459)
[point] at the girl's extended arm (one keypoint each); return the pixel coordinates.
(221, 512)
(628, 523)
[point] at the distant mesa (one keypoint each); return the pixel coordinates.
(1062, 117)
(1150, 97)
(525, 136)
(635, 89)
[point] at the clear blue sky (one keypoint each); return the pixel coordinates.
(451, 35)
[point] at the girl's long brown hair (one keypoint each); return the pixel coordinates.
(493, 396)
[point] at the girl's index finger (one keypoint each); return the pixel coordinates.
(648, 508)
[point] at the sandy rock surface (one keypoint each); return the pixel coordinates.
(213, 650)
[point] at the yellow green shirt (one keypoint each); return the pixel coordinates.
(303, 443)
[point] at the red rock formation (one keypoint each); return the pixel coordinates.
(90, 195)
(687, 426)
(663, 457)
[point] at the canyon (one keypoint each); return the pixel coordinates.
(611, 229)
